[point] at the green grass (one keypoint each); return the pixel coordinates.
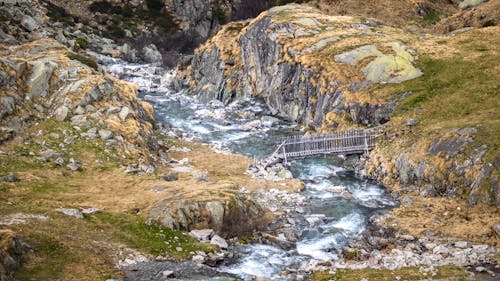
(132, 230)
(408, 273)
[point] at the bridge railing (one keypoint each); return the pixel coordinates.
(355, 141)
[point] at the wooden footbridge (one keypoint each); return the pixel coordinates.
(340, 143)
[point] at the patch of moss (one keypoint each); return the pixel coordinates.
(82, 43)
(406, 273)
(155, 240)
(83, 59)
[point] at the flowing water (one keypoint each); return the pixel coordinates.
(336, 206)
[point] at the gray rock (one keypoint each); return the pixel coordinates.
(74, 165)
(412, 122)
(171, 176)
(461, 244)
(112, 110)
(202, 235)
(90, 210)
(216, 210)
(496, 228)
(50, 154)
(315, 219)
(219, 241)
(269, 121)
(168, 273)
(441, 250)
(79, 110)
(152, 55)
(29, 23)
(105, 134)
(71, 212)
(11, 177)
(469, 3)
(125, 112)
(80, 120)
(62, 113)
(39, 79)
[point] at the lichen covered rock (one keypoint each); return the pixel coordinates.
(305, 64)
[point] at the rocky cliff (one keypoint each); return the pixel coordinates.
(309, 67)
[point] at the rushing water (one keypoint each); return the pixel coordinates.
(337, 203)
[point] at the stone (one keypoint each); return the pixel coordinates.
(251, 125)
(29, 23)
(469, 3)
(79, 110)
(219, 241)
(112, 110)
(71, 212)
(62, 113)
(315, 219)
(125, 112)
(441, 250)
(90, 210)
(496, 229)
(198, 259)
(168, 273)
(461, 244)
(39, 79)
(105, 134)
(50, 154)
(202, 235)
(269, 121)
(171, 176)
(216, 210)
(80, 120)
(152, 55)
(407, 237)
(11, 177)
(412, 122)
(74, 165)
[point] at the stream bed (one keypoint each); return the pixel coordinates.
(333, 208)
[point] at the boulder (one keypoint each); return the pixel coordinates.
(62, 113)
(219, 241)
(29, 23)
(202, 235)
(152, 55)
(125, 112)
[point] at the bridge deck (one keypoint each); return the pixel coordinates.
(348, 142)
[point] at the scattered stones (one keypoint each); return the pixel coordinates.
(21, 218)
(315, 219)
(71, 212)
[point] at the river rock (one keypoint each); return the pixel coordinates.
(219, 241)
(202, 235)
(168, 273)
(152, 55)
(269, 121)
(315, 219)
(71, 212)
(251, 125)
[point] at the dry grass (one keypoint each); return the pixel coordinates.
(447, 217)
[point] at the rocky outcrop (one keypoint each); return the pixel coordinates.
(475, 13)
(309, 67)
(237, 215)
(44, 80)
(13, 251)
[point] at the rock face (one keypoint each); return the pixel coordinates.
(285, 56)
(12, 253)
(235, 216)
(68, 90)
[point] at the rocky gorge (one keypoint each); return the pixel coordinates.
(79, 146)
